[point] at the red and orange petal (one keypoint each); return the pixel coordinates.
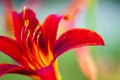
(49, 30)
(16, 22)
(12, 48)
(11, 68)
(49, 73)
(76, 38)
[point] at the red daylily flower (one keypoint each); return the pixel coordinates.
(35, 47)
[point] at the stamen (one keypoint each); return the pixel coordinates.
(35, 32)
(22, 33)
(38, 36)
(38, 26)
(28, 34)
(24, 29)
(24, 11)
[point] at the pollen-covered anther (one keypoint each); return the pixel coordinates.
(24, 12)
(26, 23)
(66, 17)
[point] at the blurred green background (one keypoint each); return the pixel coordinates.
(107, 21)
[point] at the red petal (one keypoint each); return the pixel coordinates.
(76, 38)
(49, 29)
(11, 68)
(47, 73)
(12, 49)
(17, 25)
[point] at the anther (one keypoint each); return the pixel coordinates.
(24, 12)
(26, 23)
